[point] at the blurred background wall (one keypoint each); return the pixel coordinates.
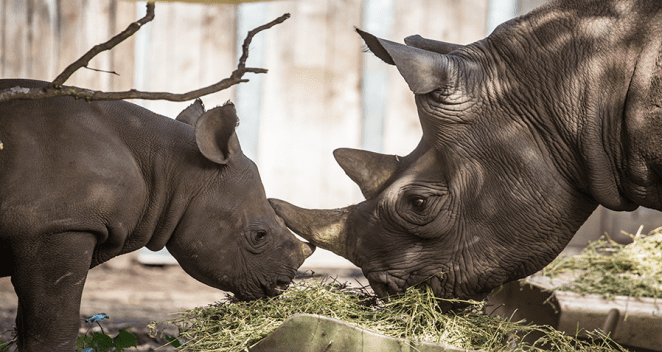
(322, 91)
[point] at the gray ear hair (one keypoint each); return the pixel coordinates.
(215, 133)
(424, 71)
(192, 113)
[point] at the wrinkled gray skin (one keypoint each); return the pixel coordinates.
(83, 182)
(524, 133)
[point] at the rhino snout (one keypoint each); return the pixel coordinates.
(282, 284)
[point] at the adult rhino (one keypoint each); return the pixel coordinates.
(82, 182)
(524, 133)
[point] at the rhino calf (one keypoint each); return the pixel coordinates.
(82, 182)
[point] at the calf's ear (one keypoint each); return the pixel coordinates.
(215, 133)
(192, 113)
(424, 71)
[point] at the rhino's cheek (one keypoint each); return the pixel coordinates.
(214, 266)
(269, 273)
(391, 282)
(393, 271)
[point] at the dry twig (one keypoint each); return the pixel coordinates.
(55, 88)
(85, 59)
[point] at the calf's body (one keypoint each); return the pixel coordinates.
(82, 182)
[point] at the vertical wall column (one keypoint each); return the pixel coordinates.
(378, 20)
(249, 96)
(500, 11)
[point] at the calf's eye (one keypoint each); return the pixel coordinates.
(260, 236)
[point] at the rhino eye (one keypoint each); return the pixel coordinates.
(417, 203)
(419, 209)
(259, 236)
(258, 239)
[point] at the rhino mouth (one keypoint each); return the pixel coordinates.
(281, 285)
(387, 284)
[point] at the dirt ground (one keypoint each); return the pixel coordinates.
(134, 295)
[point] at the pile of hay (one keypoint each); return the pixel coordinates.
(611, 269)
(234, 326)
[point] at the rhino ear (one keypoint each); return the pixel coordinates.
(431, 45)
(424, 71)
(215, 133)
(370, 171)
(192, 113)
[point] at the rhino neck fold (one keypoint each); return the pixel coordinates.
(168, 165)
(621, 143)
(641, 145)
(164, 214)
(590, 85)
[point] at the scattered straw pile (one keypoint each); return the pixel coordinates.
(234, 326)
(611, 269)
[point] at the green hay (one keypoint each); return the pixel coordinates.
(234, 326)
(611, 269)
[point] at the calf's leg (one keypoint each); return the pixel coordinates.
(49, 274)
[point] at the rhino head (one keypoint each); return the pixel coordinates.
(229, 237)
(439, 219)
(523, 136)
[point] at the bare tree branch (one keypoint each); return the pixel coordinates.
(252, 33)
(99, 48)
(55, 88)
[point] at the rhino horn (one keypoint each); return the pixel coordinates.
(370, 171)
(424, 71)
(322, 228)
(431, 44)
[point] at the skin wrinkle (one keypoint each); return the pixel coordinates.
(470, 252)
(402, 264)
(559, 153)
(524, 103)
(254, 278)
(246, 278)
(429, 106)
